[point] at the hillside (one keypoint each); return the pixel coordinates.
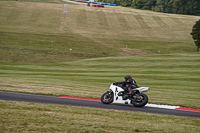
(39, 33)
(44, 53)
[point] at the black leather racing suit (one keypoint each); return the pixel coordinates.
(128, 85)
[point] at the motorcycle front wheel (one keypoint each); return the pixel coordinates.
(141, 101)
(107, 98)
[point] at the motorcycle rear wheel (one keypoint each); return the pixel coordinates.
(140, 102)
(107, 98)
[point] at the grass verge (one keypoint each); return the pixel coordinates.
(34, 117)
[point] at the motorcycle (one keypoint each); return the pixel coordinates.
(119, 95)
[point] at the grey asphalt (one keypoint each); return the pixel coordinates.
(9, 96)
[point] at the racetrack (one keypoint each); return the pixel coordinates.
(87, 103)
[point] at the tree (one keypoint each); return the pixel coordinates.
(126, 3)
(193, 7)
(196, 34)
(139, 4)
(149, 5)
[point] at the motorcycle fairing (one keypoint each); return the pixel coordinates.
(118, 99)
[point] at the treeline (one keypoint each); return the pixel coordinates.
(187, 7)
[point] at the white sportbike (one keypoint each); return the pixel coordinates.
(119, 95)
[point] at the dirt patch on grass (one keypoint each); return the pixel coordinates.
(130, 52)
(36, 56)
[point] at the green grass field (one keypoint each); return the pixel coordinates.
(173, 79)
(35, 57)
(40, 118)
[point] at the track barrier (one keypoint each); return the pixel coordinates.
(102, 6)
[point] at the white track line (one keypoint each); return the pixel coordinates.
(161, 106)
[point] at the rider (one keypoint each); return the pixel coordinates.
(128, 84)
